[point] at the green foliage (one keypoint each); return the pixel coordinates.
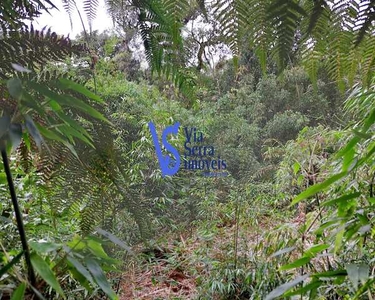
(346, 199)
(285, 126)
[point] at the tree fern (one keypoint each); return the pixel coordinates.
(233, 19)
(285, 16)
(90, 7)
(14, 13)
(32, 49)
(93, 186)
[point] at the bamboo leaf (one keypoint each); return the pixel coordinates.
(100, 278)
(45, 272)
(318, 187)
(280, 290)
(19, 292)
(7, 267)
(297, 263)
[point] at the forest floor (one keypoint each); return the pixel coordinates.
(177, 269)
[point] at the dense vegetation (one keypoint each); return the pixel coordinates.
(283, 90)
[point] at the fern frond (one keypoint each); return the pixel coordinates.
(285, 16)
(33, 48)
(160, 29)
(92, 187)
(233, 19)
(14, 13)
(365, 20)
(368, 62)
(69, 6)
(90, 7)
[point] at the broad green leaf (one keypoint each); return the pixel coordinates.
(280, 290)
(45, 272)
(80, 268)
(15, 134)
(49, 134)
(97, 249)
(302, 290)
(341, 199)
(26, 140)
(81, 279)
(363, 273)
(362, 135)
(336, 273)
(73, 123)
(353, 274)
(4, 125)
(68, 84)
(297, 263)
(318, 187)
(15, 87)
(312, 251)
(348, 161)
(34, 132)
(55, 106)
(114, 239)
(19, 292)
(76, 243)
(45, 91)
(44, 247)
(283, 251)
(68, 130)
(8, 266)
(29, 101)
(100, 278)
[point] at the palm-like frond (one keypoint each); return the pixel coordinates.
(285, 17)
(93, 186)
(13, 13)
(160, 24)
(233, 19)
(90, 7)
(32, 49)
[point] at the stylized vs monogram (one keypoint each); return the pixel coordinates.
(168, 165)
